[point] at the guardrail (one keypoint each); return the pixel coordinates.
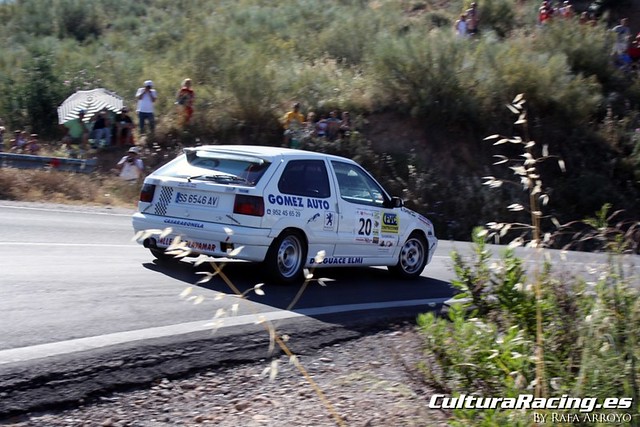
(28, 161)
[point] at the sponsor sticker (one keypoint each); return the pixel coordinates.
(337, 260)
(297, 202)
(184, 223)
(390, 223)
(329, 222)
(202, 246)
(367, 228)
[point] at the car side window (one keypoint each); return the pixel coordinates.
(356, 186)
(307, 178)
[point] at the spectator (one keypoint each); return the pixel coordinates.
(310, 125)
(2, 129)
(587, 19)
(146, 97)
(584, 18)
(545, 13)
(623, 34)
(634, 48)
(345, 124)
(473, 19)
(184, 100)
(76, 134)
(566, 11)
(292, 123)
(131, 166)
(124, 128)
(19, 143)
(333, 126)
(33, 147)
(321, 127)
(101, 128)
(461, 27)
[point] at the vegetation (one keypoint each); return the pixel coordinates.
(423, 98)
(64, 187)
(541, 330)
(488, 344)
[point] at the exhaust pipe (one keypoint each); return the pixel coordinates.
(150, 243)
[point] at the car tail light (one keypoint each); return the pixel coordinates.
(147, 192)
(248, 205)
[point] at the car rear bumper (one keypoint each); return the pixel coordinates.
(206, 237)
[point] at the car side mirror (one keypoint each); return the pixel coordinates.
(396, 202)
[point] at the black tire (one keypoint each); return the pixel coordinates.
(161, 256)
(412, 258)
(286, 258)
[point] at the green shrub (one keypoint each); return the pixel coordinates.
(497, 16)
(582, 334)
(485, 347)
(586, 47)
(423, 75)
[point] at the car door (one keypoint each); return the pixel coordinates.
(304, 197)
(365, 227)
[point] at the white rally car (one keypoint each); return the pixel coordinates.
(281, 207)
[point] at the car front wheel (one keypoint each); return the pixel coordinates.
(412, 258)
(286, 257)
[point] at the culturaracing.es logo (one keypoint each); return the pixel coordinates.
(528, 401)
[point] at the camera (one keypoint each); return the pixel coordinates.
(130, 160)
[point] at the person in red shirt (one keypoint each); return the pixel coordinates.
(545, 13)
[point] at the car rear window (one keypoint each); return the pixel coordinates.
(219, 167)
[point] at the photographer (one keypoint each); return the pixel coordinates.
(146, 97)
(131, 166)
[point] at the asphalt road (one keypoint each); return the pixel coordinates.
(75, 273)
(76, 291)
(83, 309)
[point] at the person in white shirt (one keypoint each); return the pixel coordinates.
(146, 97)
(131, 166)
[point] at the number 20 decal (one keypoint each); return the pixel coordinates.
(365, 227)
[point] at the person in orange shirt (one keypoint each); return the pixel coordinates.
(292, 122)
(184, 99)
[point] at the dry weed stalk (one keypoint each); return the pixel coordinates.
(527, 171)
(179, 249)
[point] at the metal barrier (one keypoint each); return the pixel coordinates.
(28, 161)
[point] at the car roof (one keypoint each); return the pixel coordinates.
(269, 153)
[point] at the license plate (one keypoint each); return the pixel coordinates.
(196, 199)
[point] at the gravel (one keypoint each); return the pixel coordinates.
(370, 381)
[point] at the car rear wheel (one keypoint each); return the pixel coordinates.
(286, 257)
(412, 258)
(162, 256)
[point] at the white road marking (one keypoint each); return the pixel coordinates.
(93, 245)
(64, 210)
(23, 354)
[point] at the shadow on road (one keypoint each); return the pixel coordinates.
(350, 285)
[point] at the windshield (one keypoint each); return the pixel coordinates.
(222, 168)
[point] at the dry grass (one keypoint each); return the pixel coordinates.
(64, 187)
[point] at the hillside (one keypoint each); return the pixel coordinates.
(422, 99)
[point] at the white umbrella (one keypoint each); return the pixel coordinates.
(91, 101)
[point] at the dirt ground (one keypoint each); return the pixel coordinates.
(371, 381)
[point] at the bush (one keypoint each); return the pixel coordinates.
(574, 336)
(249, 60)
(486, 346)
